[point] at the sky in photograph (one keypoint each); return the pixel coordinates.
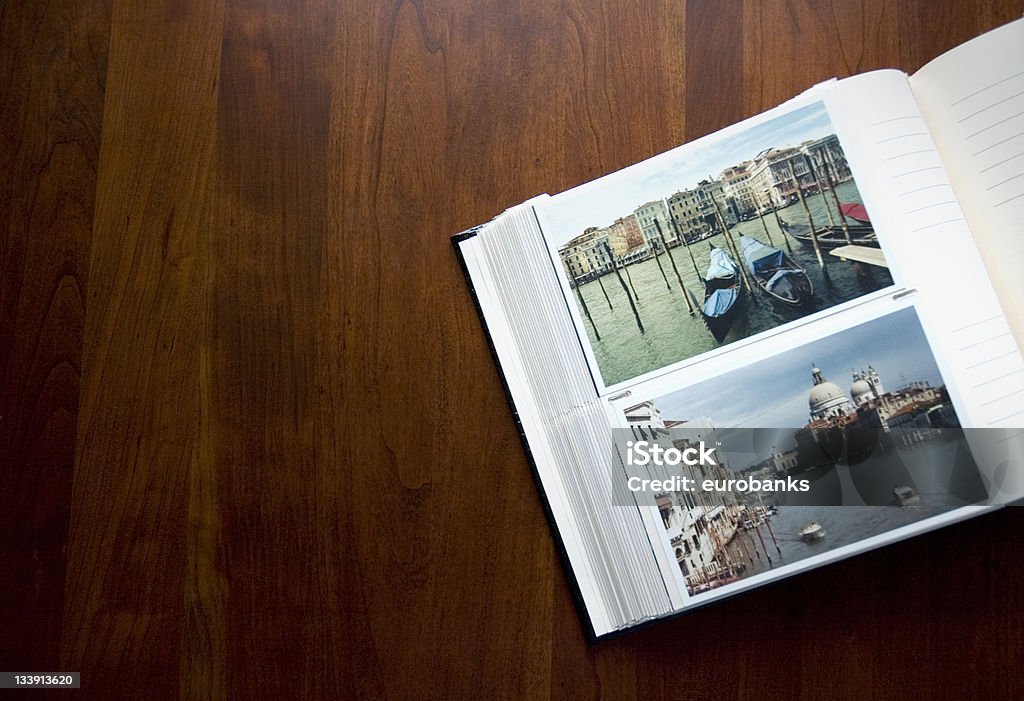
(772, 393)
(602, 201)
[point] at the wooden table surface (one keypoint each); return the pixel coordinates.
(252, 443)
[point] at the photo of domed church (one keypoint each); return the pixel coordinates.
(916, 406)
(859, 414)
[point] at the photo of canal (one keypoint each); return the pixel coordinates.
(672, 332)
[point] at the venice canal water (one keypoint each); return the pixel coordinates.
(941, 471)
(671, 334)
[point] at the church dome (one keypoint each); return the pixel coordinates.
(825, 393)
(826, 399)
(861, 391)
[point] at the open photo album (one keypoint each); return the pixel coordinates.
(777, 346)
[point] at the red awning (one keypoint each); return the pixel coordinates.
(855, 211)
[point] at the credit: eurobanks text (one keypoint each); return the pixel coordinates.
(676, 483)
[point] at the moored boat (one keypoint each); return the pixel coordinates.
(776, 273)
(701, 237)
(832, 236)
(722, 293)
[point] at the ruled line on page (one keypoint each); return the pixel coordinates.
(1015, 197)
(901, 136)
(998, 143)
(999, 163)
(987, 87)
(976, 323)
(896, 119)
(1003, 182)
(989, 360)
(917, 170)
(986, 109)
(1005, 396)
(930, 206)
(938, 223)
(993, 124)
(911, 153)
(926, 187)
(1000, 377)
(986, 340)
(1009, 416)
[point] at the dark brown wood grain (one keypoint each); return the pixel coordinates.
(252, 442)
(53, 67)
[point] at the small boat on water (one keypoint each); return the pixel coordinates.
(812, 532)
(722, 293)
(832, 236)
(855, 211)
(906, 496)
(776, 273)
(701, 237)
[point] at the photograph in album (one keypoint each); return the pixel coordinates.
(711, 243)
(817, 447)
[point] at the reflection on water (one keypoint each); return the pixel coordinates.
(672, 334)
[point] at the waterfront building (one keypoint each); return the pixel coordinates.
(711, 193)
(624, 235)
(738, 187)
(694, 212)
(586, 256)
(789, 170)
(690, 538)
(766, 182)
(645, 422)
(784, 463)
(827, 150)
(719, 471)
(646, 214)
(683, 518)
(699, 524)
(912, 426)
(772, 172)
(685, 208)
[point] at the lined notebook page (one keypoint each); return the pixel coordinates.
(972, 99)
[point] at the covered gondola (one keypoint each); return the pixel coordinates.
(722, 293)
(776, 273)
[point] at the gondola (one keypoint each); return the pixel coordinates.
(722, 293)
(776, 273)
(832, 236)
